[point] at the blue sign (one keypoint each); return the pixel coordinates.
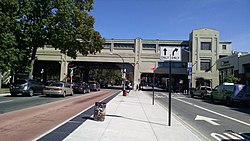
(189, 69)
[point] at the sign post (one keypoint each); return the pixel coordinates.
(170, 54)
(153, 101)
(189, 69)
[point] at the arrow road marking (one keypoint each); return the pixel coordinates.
(207, 119)
(216, 113)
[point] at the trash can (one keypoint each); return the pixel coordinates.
(99, 111)
(125, 93)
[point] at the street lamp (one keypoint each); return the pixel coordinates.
(123, 72)
(189, 69)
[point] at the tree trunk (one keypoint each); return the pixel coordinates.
(32, 62)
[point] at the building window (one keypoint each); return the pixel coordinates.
(123, 45)
(205, 45)
(107, 45)
(205, 64)
(224, 47)
(149, 45)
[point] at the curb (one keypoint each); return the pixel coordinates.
(5, 94)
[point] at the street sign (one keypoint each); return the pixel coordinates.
(189, 70)
(189, 67)
(171, 53)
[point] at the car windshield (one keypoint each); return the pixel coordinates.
(56, 84)
(229, 88)
(92, 83)
(78, 84)
(21, 81)
(209, 89)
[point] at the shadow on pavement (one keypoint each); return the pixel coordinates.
(117, 116)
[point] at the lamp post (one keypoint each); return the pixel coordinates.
(123, 71)
(189, 69)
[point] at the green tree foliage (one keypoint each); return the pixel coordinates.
(30, 24)
(231, 79)
(8, 52)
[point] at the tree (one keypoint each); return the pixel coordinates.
(10, 55)
(231, 79)
(58, 23)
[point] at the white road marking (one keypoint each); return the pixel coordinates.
(6, 101)
(218, 137)
(225, 116)
(234, 137)
(207, 119)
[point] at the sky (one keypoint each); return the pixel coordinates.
(173, 19)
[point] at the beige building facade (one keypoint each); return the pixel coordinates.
(138, 56)
(207, 48)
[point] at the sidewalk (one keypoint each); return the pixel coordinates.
(133, 118)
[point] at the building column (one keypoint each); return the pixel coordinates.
(64, 68)
(137, 50)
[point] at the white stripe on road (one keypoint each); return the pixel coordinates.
(225, 116)
(6, 101)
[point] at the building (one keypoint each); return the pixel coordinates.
(237, 65)
(206, 48)
(138, 56)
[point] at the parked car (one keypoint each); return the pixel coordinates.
(230, 93)
(26, 87)
(81, 88)
(59, 89)
(202, 91)
(94, 86)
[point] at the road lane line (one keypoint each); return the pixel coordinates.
(6, 101)
(225, 116)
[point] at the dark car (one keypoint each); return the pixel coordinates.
(81, 88)
(94, 86)
(231, 93)
(26, 87)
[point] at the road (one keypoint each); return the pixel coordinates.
(211, 121)
(29, 117)
(9, 103)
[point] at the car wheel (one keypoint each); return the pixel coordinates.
(212, 99)
(31, 92)
(202, 96)
(13, 94)
(192, 96)
(228, 101)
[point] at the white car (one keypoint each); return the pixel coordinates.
(59, 89)
(202, 91)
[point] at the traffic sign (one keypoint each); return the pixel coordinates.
(171, 53)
